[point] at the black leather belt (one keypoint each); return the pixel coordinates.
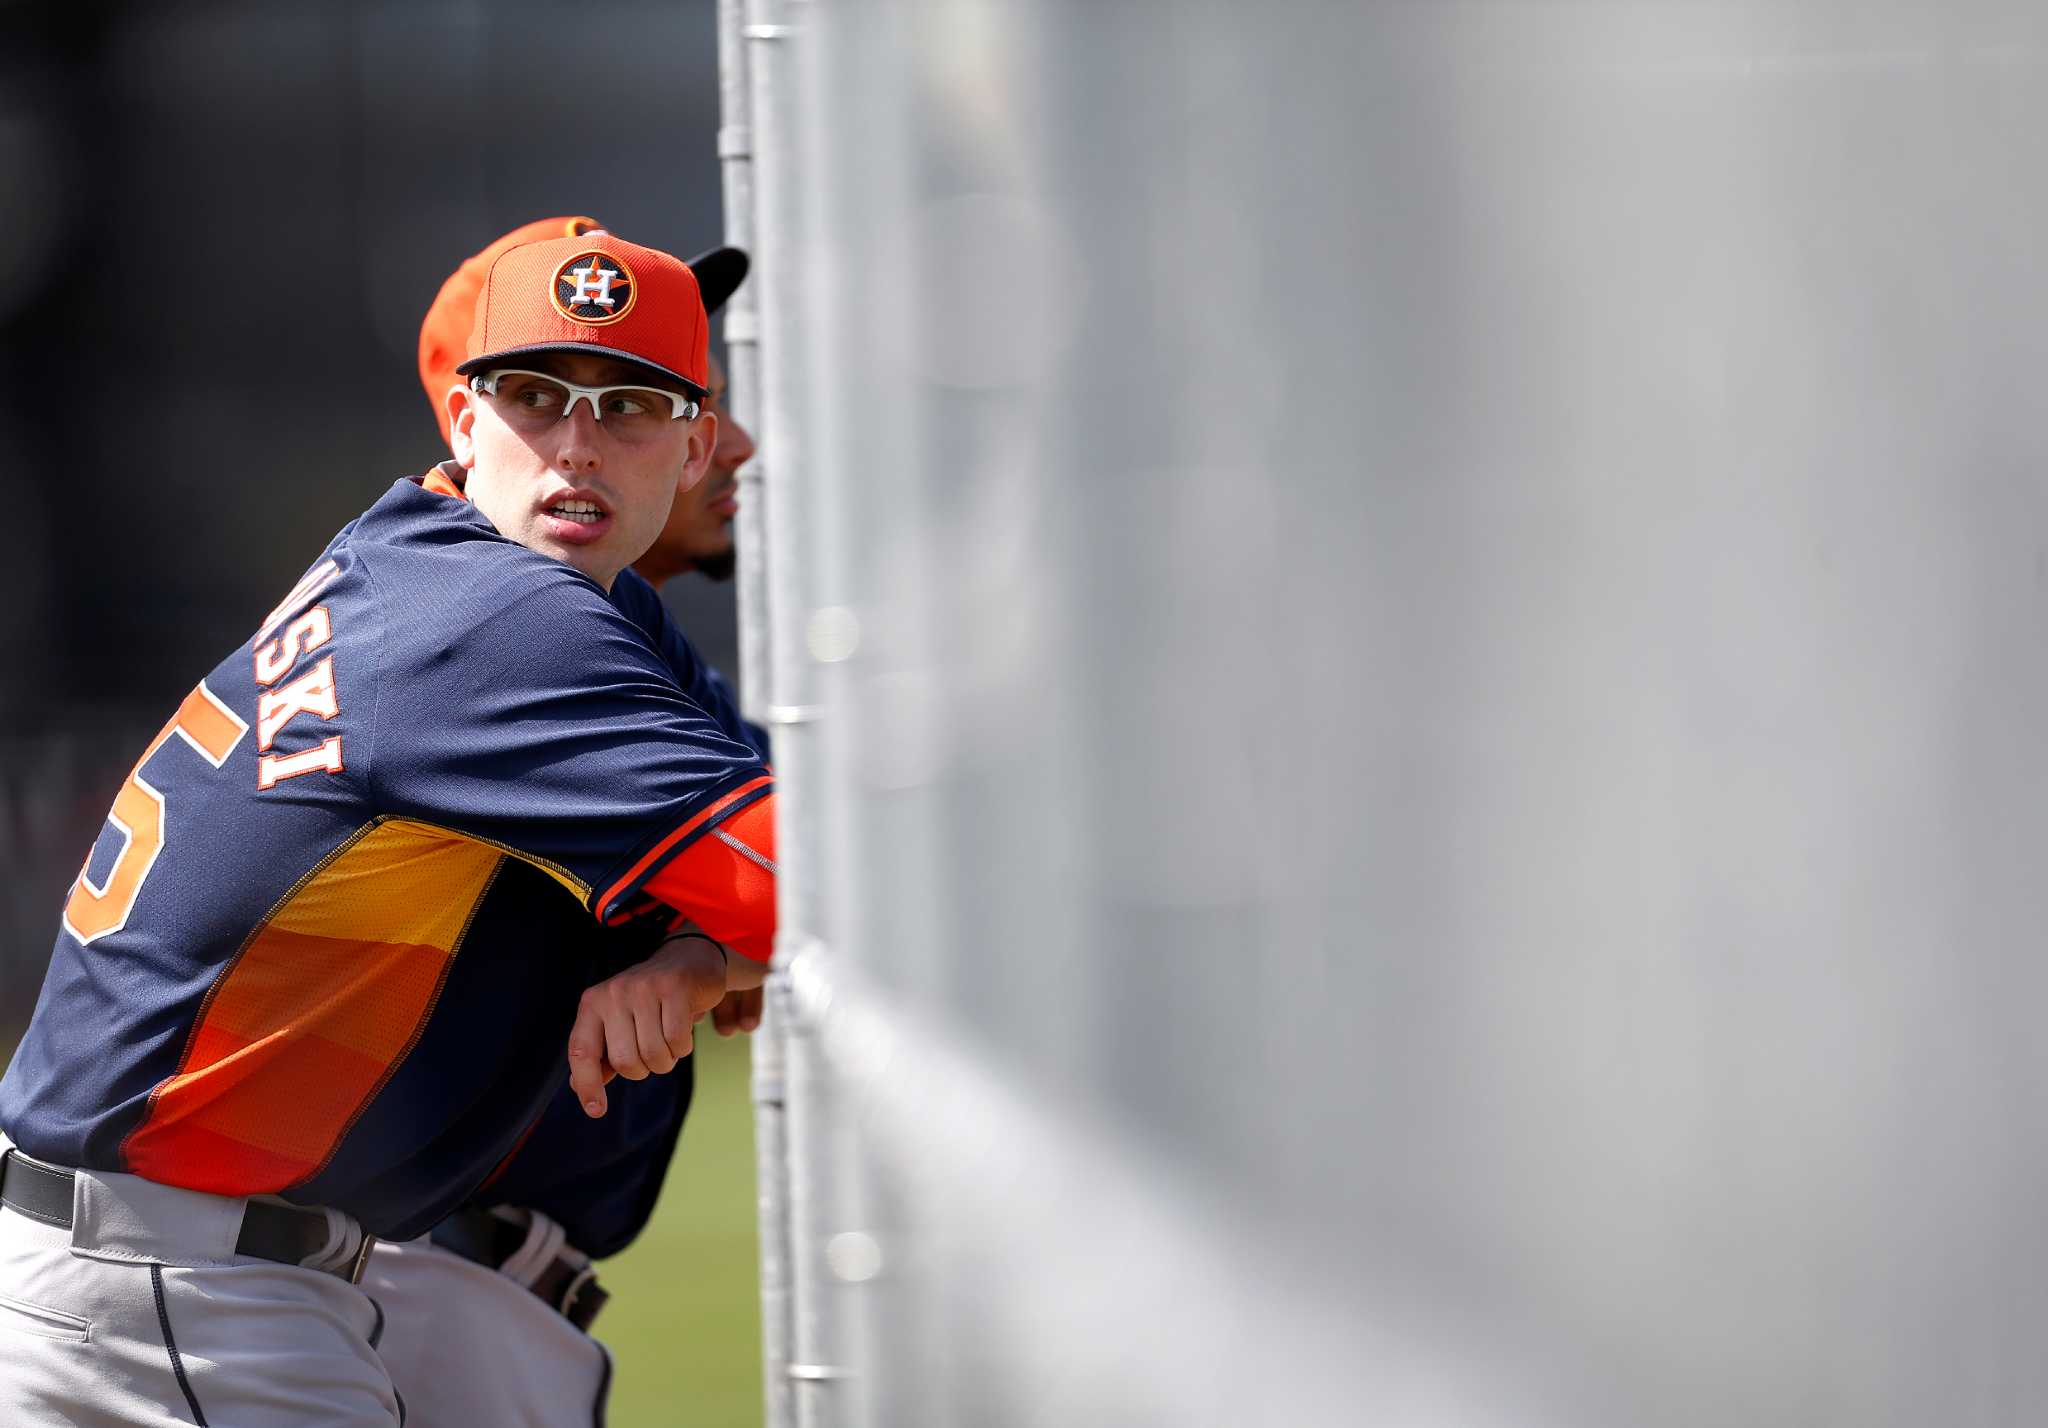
(482, 1238)
(281, 1233)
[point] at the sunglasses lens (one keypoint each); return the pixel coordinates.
(530, 401)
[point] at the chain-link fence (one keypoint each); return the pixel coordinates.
(1412, 757)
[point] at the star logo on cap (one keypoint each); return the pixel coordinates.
(593, 288)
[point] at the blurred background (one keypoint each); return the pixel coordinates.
(222, 225)
(1422, 798)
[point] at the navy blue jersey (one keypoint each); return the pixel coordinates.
(440, 743)
(641, 604)
(599, 1178)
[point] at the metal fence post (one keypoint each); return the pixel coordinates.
(792, 1121)
(743, 400)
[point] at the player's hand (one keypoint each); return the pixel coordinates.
(740, 1011)
(639, 1023)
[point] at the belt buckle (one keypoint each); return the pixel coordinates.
(362, 1259)
(571, 1305)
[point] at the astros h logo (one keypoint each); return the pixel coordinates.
(594, 288)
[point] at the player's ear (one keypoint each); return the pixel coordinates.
(703, 440)
(461, 418)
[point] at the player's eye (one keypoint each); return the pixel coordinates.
(629, 404)
(538, 396)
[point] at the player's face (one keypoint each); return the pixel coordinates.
(576, 488)
(698, 535)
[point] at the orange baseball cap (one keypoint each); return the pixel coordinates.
(444, 336)
(595, 293)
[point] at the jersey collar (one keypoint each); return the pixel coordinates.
(437, 480)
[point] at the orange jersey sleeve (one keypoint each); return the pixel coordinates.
(725, 881)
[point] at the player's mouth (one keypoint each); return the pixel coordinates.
(575, 518)
(726, 502)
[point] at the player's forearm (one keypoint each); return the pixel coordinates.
(742, 974)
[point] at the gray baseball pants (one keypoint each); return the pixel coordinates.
(468, 1345)
(142, 1314)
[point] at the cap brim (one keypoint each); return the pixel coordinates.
(588, 349)
(719, 274)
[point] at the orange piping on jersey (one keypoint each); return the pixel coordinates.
(510, 1155)
(669, 842)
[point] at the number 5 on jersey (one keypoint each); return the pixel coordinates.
(138, 815)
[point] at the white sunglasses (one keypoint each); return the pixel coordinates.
(547, 391)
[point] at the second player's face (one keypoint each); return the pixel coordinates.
(574, 489)
(698, 535)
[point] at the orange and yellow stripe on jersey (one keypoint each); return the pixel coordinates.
(309, 1019)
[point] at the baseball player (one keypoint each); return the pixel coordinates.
(262, 1041)
(486, 1317)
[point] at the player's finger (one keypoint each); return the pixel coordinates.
(655, 1051)
(739, 1011)
(586, 1062)
(675, 1026)
(622, 1045)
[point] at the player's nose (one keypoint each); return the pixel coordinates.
(735, 446)
(578, 448)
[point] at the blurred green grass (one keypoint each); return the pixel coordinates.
(684, 1321)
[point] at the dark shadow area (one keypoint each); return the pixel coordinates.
(223, 224)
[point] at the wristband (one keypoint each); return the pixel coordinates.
(724, 957)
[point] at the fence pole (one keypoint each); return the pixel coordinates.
(743, 401)
(806, 1368)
